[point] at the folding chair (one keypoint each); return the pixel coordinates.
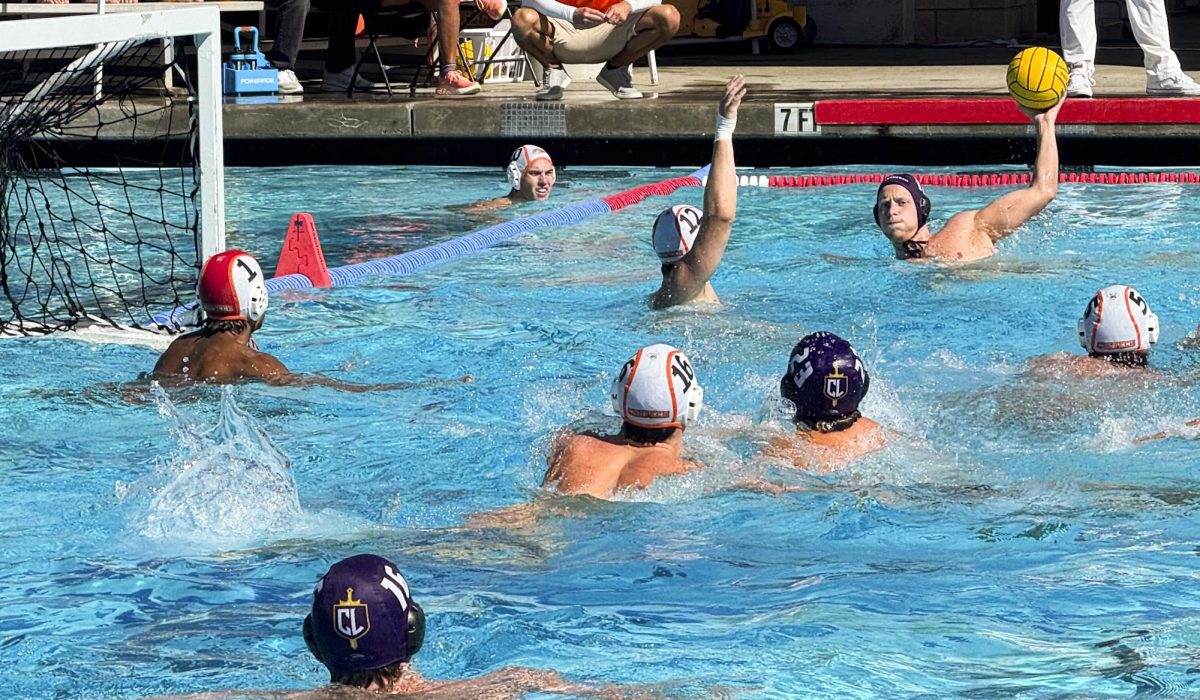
(410, 22)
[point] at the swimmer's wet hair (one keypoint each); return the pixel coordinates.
(1126, 359)
(647, 436)
(376, 677)
(235, 326)
(830, 426)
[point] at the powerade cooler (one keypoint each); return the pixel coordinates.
(248, 73)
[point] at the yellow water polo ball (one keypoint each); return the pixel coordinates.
(1037, 78)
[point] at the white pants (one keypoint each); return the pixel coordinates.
(1077, 24)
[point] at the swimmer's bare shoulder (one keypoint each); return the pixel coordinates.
(485, 206)
(960, 240)
(1061, 365)
(583, 464)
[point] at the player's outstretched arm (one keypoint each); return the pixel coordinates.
(1010, 212)
(720, 201)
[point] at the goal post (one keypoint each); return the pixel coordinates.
(120, 243)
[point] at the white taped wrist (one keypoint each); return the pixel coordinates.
(725, 127)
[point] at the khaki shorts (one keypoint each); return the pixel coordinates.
(594, 44)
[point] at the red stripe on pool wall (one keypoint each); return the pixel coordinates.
(1144, 110)
(637, 194)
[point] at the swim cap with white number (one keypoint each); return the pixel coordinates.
(233, 287)
(675, 230)
(825, 378)
(657, 389)
(1116, 320)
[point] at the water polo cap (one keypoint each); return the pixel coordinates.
(233, 287)
(363, 617)
(1117, 320)
(825, 378)
(913, 185)
(675, 230)
(657, 389)
(521, 159)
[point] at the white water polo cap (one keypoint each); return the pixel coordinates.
(675, 231)
(520, 161)
(233, 287)
(1117, 320)
(657, 388)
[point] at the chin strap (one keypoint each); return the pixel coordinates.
(914, 249)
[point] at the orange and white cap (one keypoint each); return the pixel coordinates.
(675, 231)
(1117, 320)
(520, 161)
(657, 389)
(233, 287)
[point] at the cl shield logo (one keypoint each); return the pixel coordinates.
(835, 385)
(350, 619)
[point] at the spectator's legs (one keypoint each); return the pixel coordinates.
(447, 21)
(343, 19)
(1077, 25)
(1149, 21)
(655, 27)
(288, 31)
(534, 34)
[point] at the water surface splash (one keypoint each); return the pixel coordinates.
(227, 485)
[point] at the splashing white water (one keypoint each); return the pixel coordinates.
(228, 485)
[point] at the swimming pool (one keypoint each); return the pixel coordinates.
(1014, 545)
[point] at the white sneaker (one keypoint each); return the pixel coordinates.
(340, 82)
(1081, 82)
(619, 82)
(554, 81)
(1180, 85)
(288, 84)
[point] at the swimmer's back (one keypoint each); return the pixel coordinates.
(826, 452)
(601, 466)
(218, 358)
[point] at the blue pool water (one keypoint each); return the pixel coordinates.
(1014, 544)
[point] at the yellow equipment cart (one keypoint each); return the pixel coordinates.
(785, 24)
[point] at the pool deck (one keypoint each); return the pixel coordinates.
(822, 105)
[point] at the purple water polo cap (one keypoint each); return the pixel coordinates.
(825, 378)
(363, 616)
(913, 185)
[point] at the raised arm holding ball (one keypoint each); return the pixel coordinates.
(902, 207)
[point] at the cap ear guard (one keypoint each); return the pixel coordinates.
(1152, 328)
(695, 401)
(619, 387)
(309, 640)
(416, 628)
(257, 306)
(513, 171)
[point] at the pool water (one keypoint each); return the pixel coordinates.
(1013, 542)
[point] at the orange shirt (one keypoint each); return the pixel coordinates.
(601, 5)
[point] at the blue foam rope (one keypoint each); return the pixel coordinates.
(413, 260)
